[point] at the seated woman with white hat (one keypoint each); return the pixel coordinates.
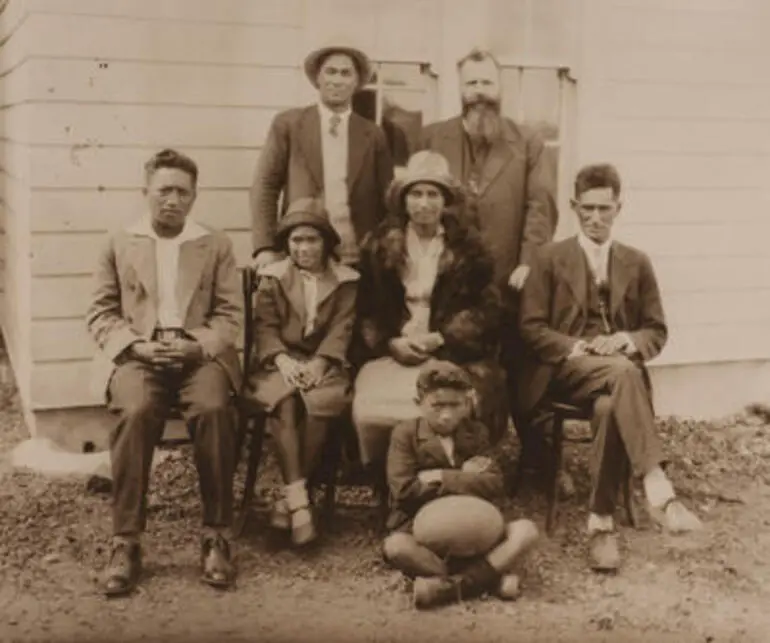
(426, 292)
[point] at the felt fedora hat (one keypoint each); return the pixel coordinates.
(425, 166)
(309, 212)
(315, 59)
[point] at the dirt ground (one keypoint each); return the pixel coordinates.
(712, 587)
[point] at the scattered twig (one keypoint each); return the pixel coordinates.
(719, 496)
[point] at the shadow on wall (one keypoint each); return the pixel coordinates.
(400, 126)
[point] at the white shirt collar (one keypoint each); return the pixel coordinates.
(192, 230)
(590, 246)
(448, 444)
(326, 114)
(598, 256)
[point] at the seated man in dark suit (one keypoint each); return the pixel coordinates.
(591, 317)
(166, 314)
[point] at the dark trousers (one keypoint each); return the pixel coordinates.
(141, 396)
(512, 349)
(623, 422)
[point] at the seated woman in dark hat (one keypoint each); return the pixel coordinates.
(426, 292)
(305, 308)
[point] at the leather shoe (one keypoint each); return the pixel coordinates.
(604, 552)
(675, 517)
(215, 560)
(509, 588)
(434, 591)
(122, 572)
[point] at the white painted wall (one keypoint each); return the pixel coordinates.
(674, 92)
(206, 78)
(15, 158)
(106, 85)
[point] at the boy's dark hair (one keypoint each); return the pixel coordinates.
(171, 159)
(600, 175)
(440, 375)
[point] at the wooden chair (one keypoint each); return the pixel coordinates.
(561, 412)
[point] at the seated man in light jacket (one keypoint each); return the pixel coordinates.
(166, 314)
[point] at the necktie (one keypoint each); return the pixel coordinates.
(334, 124)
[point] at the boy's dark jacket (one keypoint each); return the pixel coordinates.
(414, 447)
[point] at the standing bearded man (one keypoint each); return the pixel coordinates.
(509, 188)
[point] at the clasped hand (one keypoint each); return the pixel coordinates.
(603, 345)
(301, 375)
(477, 464)
(415, 349)
(172, 354)
(430, 476)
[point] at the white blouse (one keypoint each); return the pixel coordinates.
(310, 295)
(419, 278)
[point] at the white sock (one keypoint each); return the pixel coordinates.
(597, 523)
(296, 495)
(658, 488)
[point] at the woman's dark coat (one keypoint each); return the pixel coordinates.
(465, 306)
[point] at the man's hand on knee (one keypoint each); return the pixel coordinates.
(579, 349)
(605, 345)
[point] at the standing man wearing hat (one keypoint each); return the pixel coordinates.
(509, 190)
(324, 151)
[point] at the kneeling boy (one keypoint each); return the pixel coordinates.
(446, 452)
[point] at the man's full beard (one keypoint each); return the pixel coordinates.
(483, 121)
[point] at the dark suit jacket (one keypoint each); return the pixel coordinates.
(414, 448)
(516, 210)
(291, 165)
(555, 301)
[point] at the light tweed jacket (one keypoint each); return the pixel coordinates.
(124, 306)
